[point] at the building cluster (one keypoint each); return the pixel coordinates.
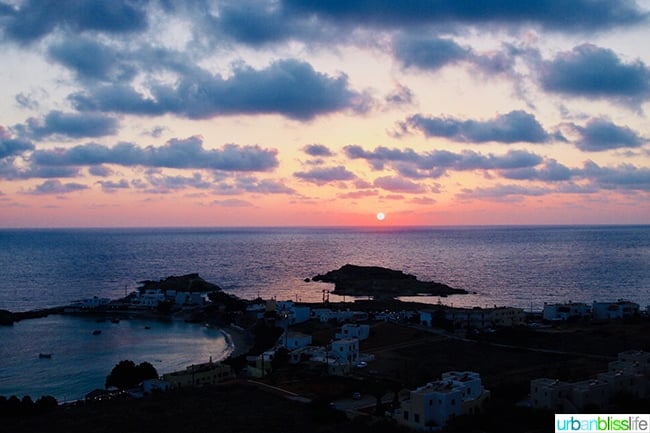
(208, 373)
(620, 309)
(340, 357)
(629, 375)
(431, 406)
(473, 318)
(151, 298)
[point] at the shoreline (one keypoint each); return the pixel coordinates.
(238, 339)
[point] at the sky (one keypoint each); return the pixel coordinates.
(323, 113)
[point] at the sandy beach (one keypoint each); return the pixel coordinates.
(239, 339)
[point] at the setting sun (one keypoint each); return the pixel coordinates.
(380, 216)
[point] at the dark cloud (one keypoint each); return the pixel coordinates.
(10, 146)
(317, 150)
(428, 53)
(601, 134)
(90, 59)
(322, 176)
(26, 101)
(435, 164)
(288, 87)
(176, 153)
(551, 171)
(577, 15)
(74, 125)
(593, 72)
(35, 19)
(100, 171)
(164, 184)
(622, 177)
(401, 95)
(56, 187)
(111, 186)
(398, 184)
(433, 53)
(516, 126)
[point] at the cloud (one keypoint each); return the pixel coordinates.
(503, 193)
(436, 163)
(428, 53)
(401, 95)
(321, 176)
(354, 195)
(100, 171)
(513, 127)
(74, 125)
(26, 101)
(176, 153)
(601, 134)
(10, 147)
(551, 171)
(164, 184)
(35, 19)
(111, 186)
(622, 177)
(91, 59)
(264, 186)
(290, 88)
(317, 150)
(398, 184)
(577, 15)
(593, 72)
(56, 187)
(232, 203)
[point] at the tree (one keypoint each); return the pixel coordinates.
(127, 375)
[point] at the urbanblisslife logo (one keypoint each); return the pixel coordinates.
(630, 423)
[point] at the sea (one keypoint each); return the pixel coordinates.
(522, 266)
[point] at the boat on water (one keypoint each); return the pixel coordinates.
(45, 355)
(97, 332)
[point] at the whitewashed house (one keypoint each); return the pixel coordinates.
(351, 330)
(429, 407)
(565, 311)
(614, 310)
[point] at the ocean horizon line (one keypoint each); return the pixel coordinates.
(378, 227)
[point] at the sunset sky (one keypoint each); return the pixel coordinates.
(324, 113)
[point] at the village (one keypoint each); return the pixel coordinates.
(426, 367)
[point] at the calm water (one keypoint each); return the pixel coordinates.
(520, 266)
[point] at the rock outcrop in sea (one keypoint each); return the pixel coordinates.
(183, 283)
(353, 280)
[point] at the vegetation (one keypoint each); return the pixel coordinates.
(15, 407)
(127, 375)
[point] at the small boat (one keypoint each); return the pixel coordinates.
(97, 332)
(115, 320)
(147, 327)
(45, 355)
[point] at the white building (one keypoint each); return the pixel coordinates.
(550, 394)
(430, 407)
(350, 330)
(629, 374)
(93, 302)
(475, 318)
(346, 350)
(614, 310)
(295, 340)
(566, 311)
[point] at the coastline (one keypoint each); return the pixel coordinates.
(238, 339)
